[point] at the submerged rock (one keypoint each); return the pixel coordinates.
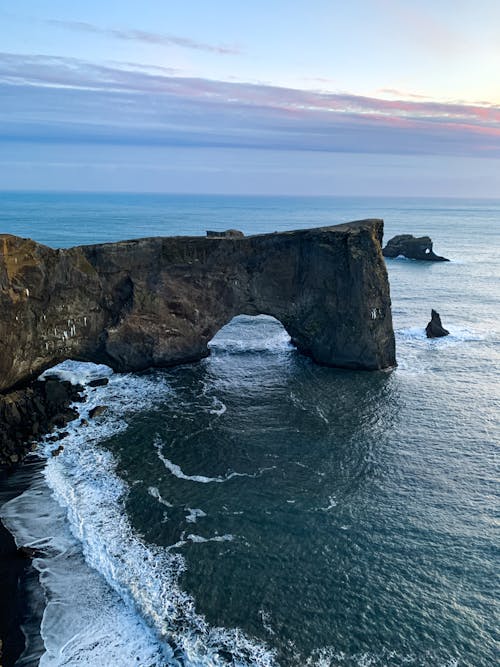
(435, 329)
(413, 248)
(97, 411)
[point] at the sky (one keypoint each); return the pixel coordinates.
(317, 97)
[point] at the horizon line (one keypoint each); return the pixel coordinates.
(239, 195)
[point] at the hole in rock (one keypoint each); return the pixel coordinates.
(247, 333)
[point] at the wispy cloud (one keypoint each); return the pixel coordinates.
(147, 37)
(68, 100)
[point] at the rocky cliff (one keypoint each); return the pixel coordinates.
(159, 301)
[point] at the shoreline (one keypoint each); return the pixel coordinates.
(26, 415)
(20, 616)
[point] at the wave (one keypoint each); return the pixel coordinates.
(331, 657)
(176, 470)
(153, 621)
(154, 492)
(243, 336)
(194, 515)
(85, 622)
(457, 335)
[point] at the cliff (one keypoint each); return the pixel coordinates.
(159, 301)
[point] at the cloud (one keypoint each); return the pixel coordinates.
(67, 100)
(156, 38)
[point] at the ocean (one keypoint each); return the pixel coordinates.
(257, 509)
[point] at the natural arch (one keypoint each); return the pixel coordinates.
(159, 301)
(248, 333)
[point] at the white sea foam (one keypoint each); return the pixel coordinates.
(266, 621)
(216, 538)
(194, 514)
(202, 479)
(331, 504)
(91, 617)
(219, 408)
(273, 338)
(153, 491)
(332, 657)
(77, 372)
(85, 623)
(457, 335)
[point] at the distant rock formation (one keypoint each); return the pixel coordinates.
(159, 301)
(413, 248)
(228, 234)
(435, 329)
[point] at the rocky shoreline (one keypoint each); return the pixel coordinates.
(28, 413)
(25, 415)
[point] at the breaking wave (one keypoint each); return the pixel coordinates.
(121, 596)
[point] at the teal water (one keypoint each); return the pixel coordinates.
(278, 512)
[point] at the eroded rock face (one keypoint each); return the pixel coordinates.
(435, 328)
(159, 301)
(28, 413)
(412, 248)
(228, 234)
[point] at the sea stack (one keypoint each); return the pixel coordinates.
(435, 329)
(411, 247)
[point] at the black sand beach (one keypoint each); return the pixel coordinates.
(16, 576)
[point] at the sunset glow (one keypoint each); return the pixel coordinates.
(379, 79)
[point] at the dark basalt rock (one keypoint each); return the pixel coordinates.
(28, 413)
(30, 552)
(159, 301)
(435, 329)
(100, 382)
(412, 248)
(228, 234)
(97, 411)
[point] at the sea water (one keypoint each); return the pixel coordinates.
(257, 509)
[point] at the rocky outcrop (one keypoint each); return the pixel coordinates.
(159, 301)
(228, 234)
(28, 413)
(435, 328)
(412, 248)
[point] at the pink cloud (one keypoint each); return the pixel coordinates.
(231, 113)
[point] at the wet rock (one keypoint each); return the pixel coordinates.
(97, 411)
(435, 328)
(100, 382)
(59, 450)
(27, 414)
(83, 422)
(30, 552)
(411, 247)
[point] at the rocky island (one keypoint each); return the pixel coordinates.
(159, 301)
(406, 245)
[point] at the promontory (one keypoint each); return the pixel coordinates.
(159, 301)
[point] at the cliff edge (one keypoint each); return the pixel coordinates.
(159, 301)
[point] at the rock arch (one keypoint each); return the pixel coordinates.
(159, 301)
(261, 332)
